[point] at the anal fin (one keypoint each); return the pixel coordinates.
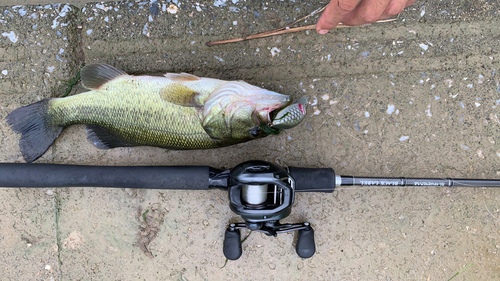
(102, 139)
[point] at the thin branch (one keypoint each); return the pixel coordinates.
(282, 30)
(272, 32)
(262, 35)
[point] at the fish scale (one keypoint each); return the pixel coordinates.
(125, 111)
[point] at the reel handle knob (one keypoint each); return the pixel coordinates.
(305, 243)
(232, 244)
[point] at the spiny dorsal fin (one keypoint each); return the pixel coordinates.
(180, 95)
(102, 139)
(181, 77)
(95, 75)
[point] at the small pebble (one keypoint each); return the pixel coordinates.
(300, 266)
(480, 154)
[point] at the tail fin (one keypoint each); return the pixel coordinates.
(38, 133)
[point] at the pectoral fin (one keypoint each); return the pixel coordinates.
(180, 95)
(95, 75)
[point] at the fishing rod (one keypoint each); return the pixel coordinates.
(260, 192)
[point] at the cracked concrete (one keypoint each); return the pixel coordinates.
(59, 245)
(417, 97)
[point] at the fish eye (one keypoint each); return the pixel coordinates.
(255, 132)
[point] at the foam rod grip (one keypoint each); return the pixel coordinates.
(147, 177)
(313, 179)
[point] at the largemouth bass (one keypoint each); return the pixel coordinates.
(177, 111)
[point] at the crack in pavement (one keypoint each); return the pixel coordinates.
(58, 233)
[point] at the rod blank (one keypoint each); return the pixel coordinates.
(349, 180)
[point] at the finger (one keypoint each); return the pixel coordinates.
(395, 8)
(366, 12)
(334, 13)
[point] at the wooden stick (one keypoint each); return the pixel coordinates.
(265, 34)
(279, 31)
(262, 35)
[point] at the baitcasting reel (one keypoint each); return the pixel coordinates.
(262, 194)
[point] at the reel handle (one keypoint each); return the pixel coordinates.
(232, 243)
(305, 247)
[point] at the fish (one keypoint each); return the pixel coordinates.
(178, 111)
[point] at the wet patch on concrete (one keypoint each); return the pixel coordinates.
(150, 222)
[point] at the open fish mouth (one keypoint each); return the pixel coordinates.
(289, 116)
(286, 117)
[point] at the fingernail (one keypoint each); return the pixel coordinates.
(323, 31)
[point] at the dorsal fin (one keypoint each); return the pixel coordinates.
(181, 77)
(95, 75)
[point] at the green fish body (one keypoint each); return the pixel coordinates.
(178, 111)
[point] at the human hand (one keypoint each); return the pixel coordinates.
(358, 12)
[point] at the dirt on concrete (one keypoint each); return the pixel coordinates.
(416, 97)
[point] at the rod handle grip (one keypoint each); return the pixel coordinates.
(148, 177)
(313, 179)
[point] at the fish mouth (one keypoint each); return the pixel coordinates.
(289, 116)
(302, 102)
(266, 115)
(274, 112)
(266, 112)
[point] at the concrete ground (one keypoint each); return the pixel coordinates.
(416, 97)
